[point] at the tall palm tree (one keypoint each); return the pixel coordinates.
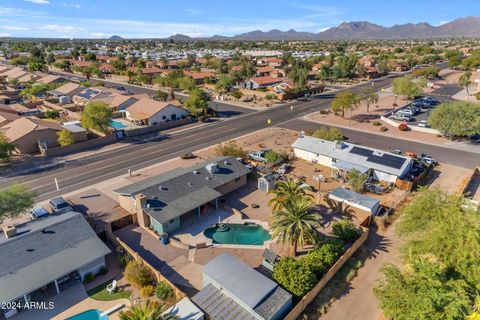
(288, 189)
(149, 311)
(295, 221)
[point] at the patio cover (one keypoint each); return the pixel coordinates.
(347, 166)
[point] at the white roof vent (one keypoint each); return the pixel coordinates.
(189, 184)
(196, 172)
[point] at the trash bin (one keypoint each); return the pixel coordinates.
(164, 238)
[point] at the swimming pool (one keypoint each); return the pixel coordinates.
(241, 234)
(93, 314)
(117, 125)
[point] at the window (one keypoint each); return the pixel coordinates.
(164, 117)
(174, 116)
(237, 179)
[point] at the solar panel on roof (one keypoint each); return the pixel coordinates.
(361, 151)
(387, 160)
(88, 93)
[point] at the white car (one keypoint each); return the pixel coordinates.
(423, 124)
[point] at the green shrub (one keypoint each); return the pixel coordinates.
(345, 230)
(237, 94)
(383, 128)
(478, 95)
(138, 274)
(88, 277)
(230, 149)
(320, 259)
(123, 260)
(294, 276)
(103, 270)
(377, 123)
(163, 290)
(52, 114)
(147, 291)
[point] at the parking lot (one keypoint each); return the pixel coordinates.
(423, 114)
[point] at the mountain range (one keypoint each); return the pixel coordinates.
(361, 30)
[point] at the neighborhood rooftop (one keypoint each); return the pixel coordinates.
(173, 193)
(45, 249)
(359, 156)
(244, 294)
(354, 197)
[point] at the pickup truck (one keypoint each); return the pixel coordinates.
(258, 156)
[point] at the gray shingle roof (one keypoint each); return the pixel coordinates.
(44, 250)
(178, 191)
(354, 197)
(270, 307)
(330, 149)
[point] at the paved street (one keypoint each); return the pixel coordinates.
(87, 171)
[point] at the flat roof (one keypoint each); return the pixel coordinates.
(244, 283)
(185, 310)
(44, 250)
(357, 155)
(354, 197)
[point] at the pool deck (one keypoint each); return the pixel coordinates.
(69, 303)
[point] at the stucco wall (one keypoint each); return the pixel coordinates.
(232, 185)
(28, 143)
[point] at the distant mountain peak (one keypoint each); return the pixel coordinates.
(115, 37)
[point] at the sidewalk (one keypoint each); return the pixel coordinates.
(392, 132)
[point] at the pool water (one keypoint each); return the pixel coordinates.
(93, 314)
(117, 125)
(241, 234)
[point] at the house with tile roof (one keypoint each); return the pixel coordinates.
(149, 112)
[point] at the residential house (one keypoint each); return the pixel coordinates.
(199, 77)
(117, 102)
(344, 157)
(25, 110)
(273, 62)
(10, 72)
(261, 82)
(49, 79)
(46, 256)
(106, 59)
(264, 71)
(86, 95)
(163, 202)
(318, 66)
(7, 116)
(67, 90)
(367, 61)
(232, 290)
(355, 200)
(151, 112)
(28, 132)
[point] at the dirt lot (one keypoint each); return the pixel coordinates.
(448, 177)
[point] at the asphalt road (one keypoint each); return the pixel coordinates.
(87, 171)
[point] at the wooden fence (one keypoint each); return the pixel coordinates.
(179, 294)
(310, 296)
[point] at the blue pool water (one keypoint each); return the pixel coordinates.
(117, 125)
(93, 314)
(242, 234)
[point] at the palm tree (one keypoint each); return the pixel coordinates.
(288, 189)
(295, 222)
(149, 311)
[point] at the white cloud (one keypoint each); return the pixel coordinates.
(193, 11)
(61, 29)
(71, 5)
(38, 1)
(13, 28)
(5, 35)
(323, 29)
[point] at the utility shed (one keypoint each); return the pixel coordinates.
(233, 290)
(267, 182)
(356, 200)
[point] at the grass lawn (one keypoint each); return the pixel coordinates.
(100, 293)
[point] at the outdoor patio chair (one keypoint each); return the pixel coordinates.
(112, 287)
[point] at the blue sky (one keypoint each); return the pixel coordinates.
(196, 18)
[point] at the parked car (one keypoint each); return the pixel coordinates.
(431, 100)
(397, 151)
(124, 91)
(59, 205)
(38, 212)
(402, 117)
(429, 161)
(411, 154)
(423, 124)
(258, 156)
(408, 112)
(374, 188)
